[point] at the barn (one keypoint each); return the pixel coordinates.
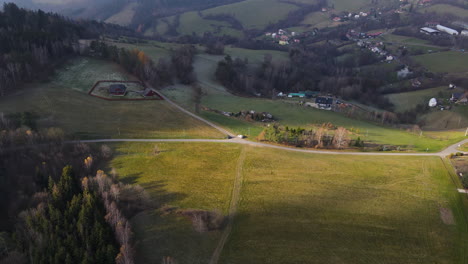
(117, 89)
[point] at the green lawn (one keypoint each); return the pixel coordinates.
(255, 13)
(449, 61)
(189, 176)
(296, 207)
(299, 208)
(63, 102)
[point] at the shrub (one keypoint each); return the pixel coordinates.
(465, 181)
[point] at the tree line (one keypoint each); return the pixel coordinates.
(313, 68)
(52, 207)
(325, 136)
(32, 43)
(138, 63)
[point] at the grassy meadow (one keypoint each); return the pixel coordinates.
(445, 8)
(296, 207)
(300, 208)
(63, 102)
(188, 176)
(192, 22)
(125, 16)
(448, 61)
(407, 101)
(255, 13)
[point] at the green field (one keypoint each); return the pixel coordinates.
(449, 61)
(299, 208)
(444, 9)
(407, 101)
(351, 5)
(191, 22)
(63, 102)
(319, 20)
(125, 16)
(255, 13)
(296, 207)
(188, 176)
(401, 39)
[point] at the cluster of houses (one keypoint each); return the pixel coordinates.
(284, 37)
(377, 48)
(434, 29)
(355, 35)
(346, 16)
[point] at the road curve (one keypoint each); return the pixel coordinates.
(443, 153)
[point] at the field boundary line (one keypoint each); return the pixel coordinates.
(232, 207)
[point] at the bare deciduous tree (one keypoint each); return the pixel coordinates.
(341, 138)
(319, 136)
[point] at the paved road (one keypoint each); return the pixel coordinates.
(445, 152)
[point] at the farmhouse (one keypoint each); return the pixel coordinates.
(456, 96)
(324, 102)
(117, 89)
(429, 31)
